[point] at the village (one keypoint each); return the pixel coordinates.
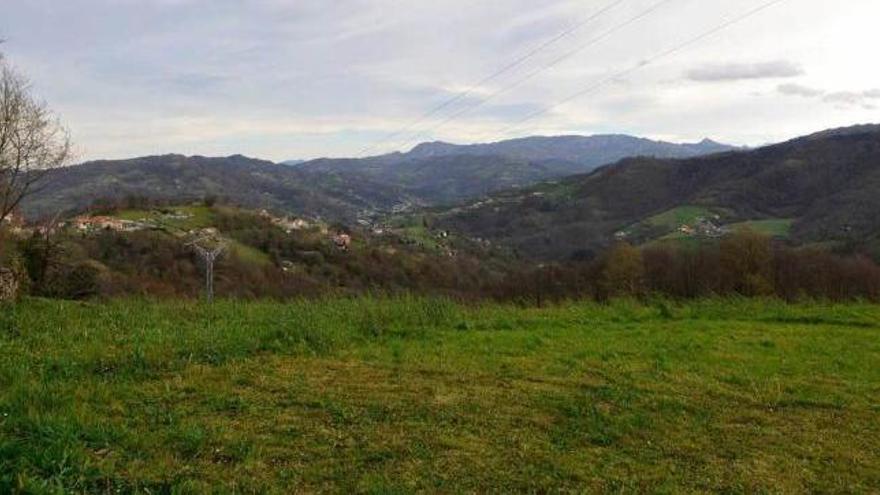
(87, 224)
(703, 227)
(181, 221)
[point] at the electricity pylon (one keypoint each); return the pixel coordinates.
(209, 248)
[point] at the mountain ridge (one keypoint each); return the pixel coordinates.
(824, 183)
(343, 189)
(588, 150)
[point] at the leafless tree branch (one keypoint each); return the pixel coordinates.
(32, 140)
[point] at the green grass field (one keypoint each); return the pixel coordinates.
(421, 395)
(682, 215)
(775, 227)
(670, 220)
(196, 217)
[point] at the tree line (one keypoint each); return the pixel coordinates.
(71, 265)
(744, 264)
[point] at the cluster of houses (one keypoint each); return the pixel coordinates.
(340, 240)
(703, 227)
(287, 224)
(86, 223)
(14, 222)
(95, 223)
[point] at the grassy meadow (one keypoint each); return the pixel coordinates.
(425, 395)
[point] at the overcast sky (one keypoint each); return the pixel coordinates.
(282, 79)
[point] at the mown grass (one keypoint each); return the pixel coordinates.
(408, 394)
(197, 217)
(670, 220)
(676, 217)
(775, 227)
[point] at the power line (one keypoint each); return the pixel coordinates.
(506, 68)
(592, 42)
(644, 63)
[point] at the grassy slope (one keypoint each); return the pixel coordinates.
(199, 217)
(776, 227)
(385, 396)
(676, 217)
(666, 224)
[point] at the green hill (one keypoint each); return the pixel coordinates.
(346, 189)
(819, 188)
(146, 251)
(236, 179)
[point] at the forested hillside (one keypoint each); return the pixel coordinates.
(823, 185)
(346, 189)
(246, 181)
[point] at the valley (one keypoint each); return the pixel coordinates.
(380, 247)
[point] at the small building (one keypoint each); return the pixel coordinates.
(342, 241)
(289, 225)
(14, 219)
(14, 222)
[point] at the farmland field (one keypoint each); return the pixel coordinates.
(778, 227)
(406, 395)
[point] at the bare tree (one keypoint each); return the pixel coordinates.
(32, 140)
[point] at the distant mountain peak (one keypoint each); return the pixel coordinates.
(433, 148)
(589, 151)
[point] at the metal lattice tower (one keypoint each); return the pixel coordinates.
(209, 249)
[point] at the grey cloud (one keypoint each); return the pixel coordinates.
(853, 98)
(793, 89)
(839, 98)
(845, 97)
(735, 72)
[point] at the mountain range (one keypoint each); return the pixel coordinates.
(345, 189)
(542, 197)
(443, 173)
(238, 179)
(588, 152)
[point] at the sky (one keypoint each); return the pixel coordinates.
(301, 79)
